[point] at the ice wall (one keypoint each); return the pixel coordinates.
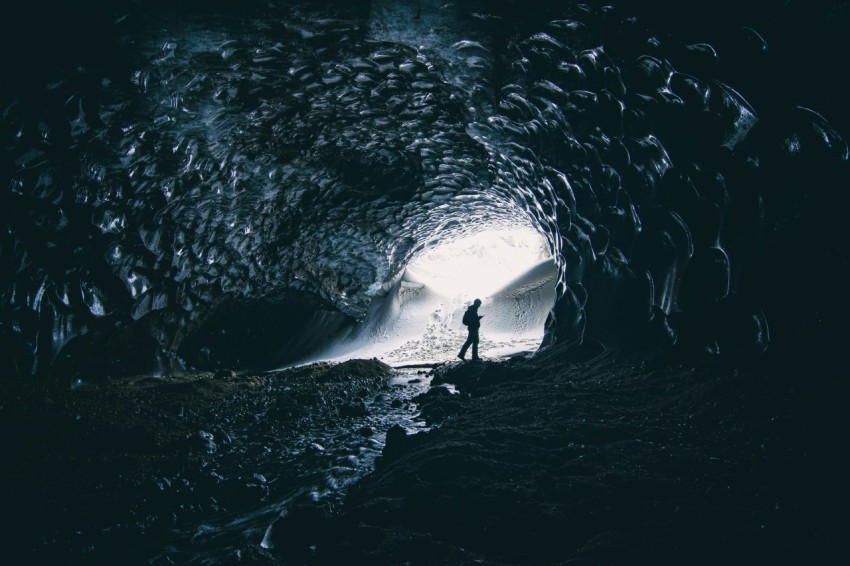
(309, 151)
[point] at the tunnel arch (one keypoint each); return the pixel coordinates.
(303, 165)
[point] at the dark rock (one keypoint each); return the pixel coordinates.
(706, 279)
(433, 393)
(353, 410)
(610, 547)
(396, 444)
(99, 355)
(298, 529)
(584, 351)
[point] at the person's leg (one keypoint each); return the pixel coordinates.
(475, 345)
(465, 346)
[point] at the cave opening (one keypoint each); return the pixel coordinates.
(418, 319)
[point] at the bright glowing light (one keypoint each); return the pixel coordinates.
(479, 264)
(419, 319)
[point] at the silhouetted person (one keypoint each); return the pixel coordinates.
(472, 320)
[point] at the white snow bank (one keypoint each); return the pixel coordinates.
(419, 320)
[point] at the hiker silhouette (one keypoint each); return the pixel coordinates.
(472, 320)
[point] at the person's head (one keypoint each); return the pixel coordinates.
(477, 302)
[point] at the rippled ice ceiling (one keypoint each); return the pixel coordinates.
(303, 154)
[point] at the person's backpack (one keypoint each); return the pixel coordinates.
(467, 317)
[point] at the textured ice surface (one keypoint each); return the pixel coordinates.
(246, 155)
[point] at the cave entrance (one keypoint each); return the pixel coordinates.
(419, 320)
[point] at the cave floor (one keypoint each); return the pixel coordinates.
(530, 461)
(610, 462)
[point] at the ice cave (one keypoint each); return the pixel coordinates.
(239, 239)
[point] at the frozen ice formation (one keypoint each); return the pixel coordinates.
(251, 180)
(419, 319)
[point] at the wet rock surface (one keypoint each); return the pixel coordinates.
(602, 462)
(537, 460)
(160, 470)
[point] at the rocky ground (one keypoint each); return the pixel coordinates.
(531, 461)
(604, 462)
(123, 470)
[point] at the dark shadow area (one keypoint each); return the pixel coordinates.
(609, 461)
(263, 334)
